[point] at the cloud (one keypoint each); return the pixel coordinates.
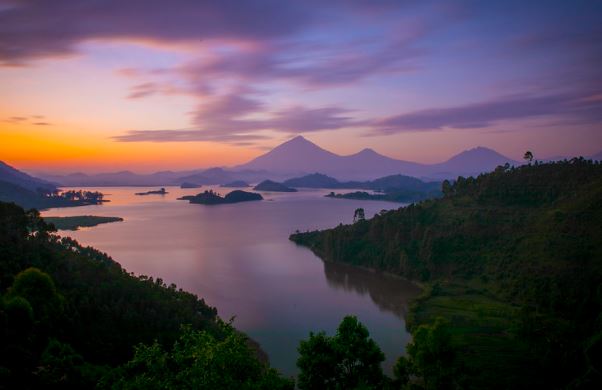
(186, 136)
(32, 119)
(480, 115)
(142, 90)
(238, 117)
(37, 29)
(319, 65)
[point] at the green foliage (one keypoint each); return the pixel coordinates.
(56, 289)
(348, 360)
(517, 237)
(70, 316)
(38, 289)
(198, 360)
(61, 367)
(431, 362)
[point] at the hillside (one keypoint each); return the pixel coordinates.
(21, 179)
(70, 317)
(272, 186)
(515, 263)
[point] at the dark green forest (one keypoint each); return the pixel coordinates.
(511, 260)
(71, 317)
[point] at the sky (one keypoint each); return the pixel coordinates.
(147, 85)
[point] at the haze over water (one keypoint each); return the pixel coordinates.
(239, 259)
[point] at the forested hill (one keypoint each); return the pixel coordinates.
(70, 317)
(528, 237)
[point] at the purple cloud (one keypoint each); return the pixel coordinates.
(35, 29)
(143, 90)
(481, 115)
(227, 119)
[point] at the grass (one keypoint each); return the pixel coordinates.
(73, 223)
(481, 328)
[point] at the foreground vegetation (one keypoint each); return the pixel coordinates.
(513, 261)
(71, 317)
(75, 222)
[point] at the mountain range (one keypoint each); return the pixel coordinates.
(299, 157)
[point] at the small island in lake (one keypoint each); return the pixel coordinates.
(75, 222)
(157, 192)
(400, 196)
(188, 184)
(236, 184)
(359, 195)
(269, 185)
(212, 198)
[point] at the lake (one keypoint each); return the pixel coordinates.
(239, 259)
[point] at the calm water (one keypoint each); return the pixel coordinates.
(239, 259)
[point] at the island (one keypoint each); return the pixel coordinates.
(236, 184)
(212, 198)
(188, 184)
(272, 186)
(157, 192)
(395, 196)
(75, 222)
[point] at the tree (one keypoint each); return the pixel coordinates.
(431, 362)
(446, 188)
(528, 156)
(198, 360)
(359, 215)
(348, 360)
(38, 289)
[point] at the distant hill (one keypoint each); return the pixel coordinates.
(314, 180)
(298, 156)
(12, 175)
(30, 192)
(209, 176)
(470, 163)
(269, 185)
(236, 184)
(386, 184)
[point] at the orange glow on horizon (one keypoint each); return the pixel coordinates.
(35, 151)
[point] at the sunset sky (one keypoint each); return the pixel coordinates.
(154, 85)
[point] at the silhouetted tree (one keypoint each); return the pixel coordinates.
(349, 360)
(359, 215)
(528, 156)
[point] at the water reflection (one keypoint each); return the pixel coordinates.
(389, 293)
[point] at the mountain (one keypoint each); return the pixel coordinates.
(14, 176)
(470, 163)
(299, 156)
(597, 156)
